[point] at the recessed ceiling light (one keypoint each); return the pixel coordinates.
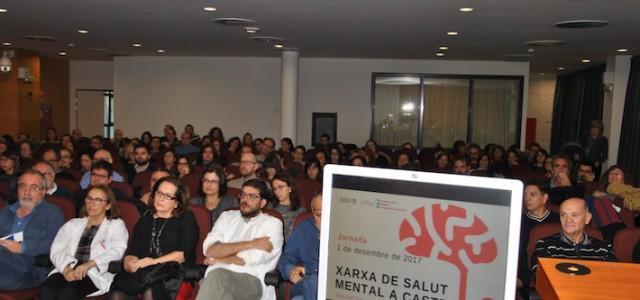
(586, 60)
(444, 48)
(71, 45)
(83, 31)
(622, 50)
(62, 53)
(541, 74)
(279, 46)
(252, 29)
(6, 44)
(452, 33)
(545, 43)
(209, 8)
(560, 68)
(137, 45)
(3, 10)
(439, 54)
(161, 51)
(466, 9)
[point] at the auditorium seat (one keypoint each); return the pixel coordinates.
(4, 187)
(307, 188)
(141, 180)
(203, 218)
(627, 218)
(20, 294)
(623, 243)
(192, 182)
(69, 185)
(129, 214)
(125, 188)
(233, 170)
(74, 172)
(233, 192)
(66, 205)
(301, 217)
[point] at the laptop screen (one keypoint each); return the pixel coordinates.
(394, 234)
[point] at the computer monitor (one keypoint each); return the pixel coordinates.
(396, 234)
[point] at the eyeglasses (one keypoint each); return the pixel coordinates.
(280, 187)
(99, 175)
(243, 195)
(31, 188)
(163, 196)
(210, 181)
(248, 162)
(89, 199)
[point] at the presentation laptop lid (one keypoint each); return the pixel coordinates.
(396, 234)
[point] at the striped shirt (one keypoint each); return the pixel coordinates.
(560, 246)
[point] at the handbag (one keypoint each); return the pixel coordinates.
(171, 274)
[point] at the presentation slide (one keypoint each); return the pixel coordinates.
(406, 246)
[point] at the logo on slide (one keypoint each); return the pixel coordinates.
(449, 233)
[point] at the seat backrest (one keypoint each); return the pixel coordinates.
(233, 170)
(623, 243)
(627, 218)
(203, 218)
(68, 185)
(66, 205)
(307, 188)
(125, 188)
(542, 231)
(301, 217)
(192, 182)
(129, 214)
(74, 172)
(4, 187)
(232, 192)
(142, 179)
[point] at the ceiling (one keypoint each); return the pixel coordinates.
(400, 29)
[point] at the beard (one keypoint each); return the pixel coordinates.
(249, 214)
(28, 202)
(141, 162)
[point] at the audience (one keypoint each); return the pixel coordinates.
(248, 166)
(28, 228)
(242, 247)
(80, 264)
(286, 201)
(213, 192)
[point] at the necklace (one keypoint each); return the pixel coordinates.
(154, 248)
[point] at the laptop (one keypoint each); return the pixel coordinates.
(396, 234)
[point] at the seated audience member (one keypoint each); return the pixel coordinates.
(28, 228)
(300, 259)
(441, 164)
(195, 138)
(169, 161)
(298, 154)
(335, 155)
(219, 152)
(143, 205)
(167, 234)
(272, 165)
(618, 184)
(9, 172)
(84, 247)
(586, 176)
(248, 167)
(460, 166)
(184, 166)
(532, 149)
(286, 146)
(536, 163)
(100, 155)
(560, 185)
(357, 161)
(242, 247)
(143, 163)
(313, 170)
(207, 155)
(100, 175)
(66, 159)
(169, 140)
(53, 156)
(473, 153)
(536, 212)
(85, 162)
(513, 157)
(286, 200)
(484, 163)
(49, 174)
(572, 241)
(213, 189)
(186, 147)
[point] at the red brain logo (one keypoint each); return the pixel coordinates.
(449, 234)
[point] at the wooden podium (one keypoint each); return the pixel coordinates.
(607, 280)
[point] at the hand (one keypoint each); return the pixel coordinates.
(132, 265)
(69, 274)
(81, 271)
(147, 261)
(262, 243)
(563, 179)
(12, 246)
(210, 261)
(296, 274)
(598, 194)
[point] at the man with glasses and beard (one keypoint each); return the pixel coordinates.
(242, 247)
(27, 229)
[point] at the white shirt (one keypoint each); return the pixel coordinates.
(231, 227)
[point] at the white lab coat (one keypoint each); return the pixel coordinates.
(109, 244)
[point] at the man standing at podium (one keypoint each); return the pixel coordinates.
(572, 241)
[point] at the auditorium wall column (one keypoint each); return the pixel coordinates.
(619, 66)
(289, 95)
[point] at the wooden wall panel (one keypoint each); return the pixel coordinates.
(9, 101)
(55, 89)
(29, 95)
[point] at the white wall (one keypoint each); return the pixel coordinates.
(344, 86)
(242, 94)
(96, 75)
(235, 94)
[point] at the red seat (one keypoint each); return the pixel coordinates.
(301, 217)
(307, 188)
(69, 185)
(125, 188)
(74, 172)
(20, 294)
(233, 192)
(66, 205)
(203, 218)
(141, 180)
(623, 243)
(4, 187)
(233, 170)
(627, 218)
(546, 230)
(192, 181)
(129, 214)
